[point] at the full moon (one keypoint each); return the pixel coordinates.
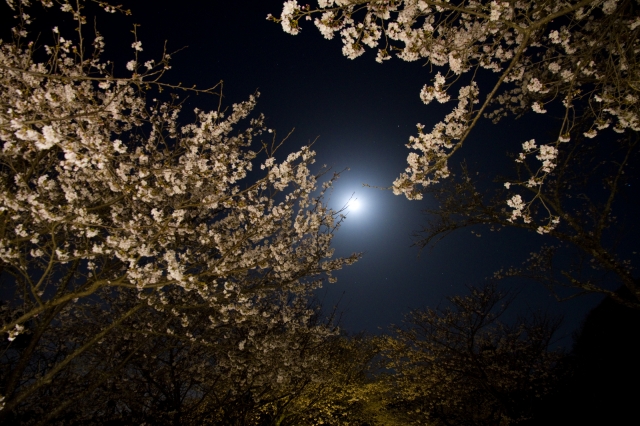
(354, 204)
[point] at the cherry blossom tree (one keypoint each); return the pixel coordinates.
(590, 250)
(280, 366)
(120, 225)
(576, 61)
(245, 373)
(461, 364)
(495, 58)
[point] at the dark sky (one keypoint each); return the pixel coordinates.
(362, 113)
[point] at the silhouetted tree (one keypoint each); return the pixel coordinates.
(460, 364)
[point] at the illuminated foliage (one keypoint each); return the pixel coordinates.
(131, 242)
(508, 58)
(498, 58)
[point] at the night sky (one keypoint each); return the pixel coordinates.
(362, 114)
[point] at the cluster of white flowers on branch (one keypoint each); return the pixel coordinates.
(104, 188)
(548, 155)
(579, 200)
(580, 53)
(437, 146)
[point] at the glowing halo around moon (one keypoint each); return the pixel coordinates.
(354, 204)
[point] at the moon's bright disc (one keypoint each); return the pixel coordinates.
(354, 205)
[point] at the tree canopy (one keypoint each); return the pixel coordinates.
(576, 61)
(132, 239)
(157, 265)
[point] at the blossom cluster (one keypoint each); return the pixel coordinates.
(548, 155)
(436, 146)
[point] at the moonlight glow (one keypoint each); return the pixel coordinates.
(354, 204)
